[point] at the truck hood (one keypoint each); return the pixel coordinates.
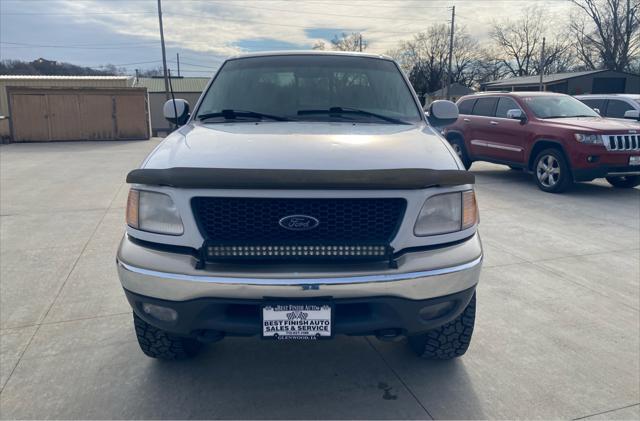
(303, 145)
(595, 124)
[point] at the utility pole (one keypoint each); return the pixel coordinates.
(542, 58)
(164, 54)
(360, 42)
(178, 60)
(453, 20)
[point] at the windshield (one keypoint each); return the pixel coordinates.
(310, 88)
(558, 107)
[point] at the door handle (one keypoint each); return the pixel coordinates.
(466, 120)
(493, 123)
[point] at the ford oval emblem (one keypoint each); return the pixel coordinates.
(299, 222)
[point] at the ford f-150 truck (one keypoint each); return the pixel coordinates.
(556, 137)
(306, 195)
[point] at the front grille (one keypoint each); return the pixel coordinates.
(341, 223)
(622, 142)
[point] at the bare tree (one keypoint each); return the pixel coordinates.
(349, 42)
(518, 44)
(608, 36)
(319, 45)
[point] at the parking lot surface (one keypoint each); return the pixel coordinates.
(557, 331)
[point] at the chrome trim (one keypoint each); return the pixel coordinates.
(496, 145)
(622, 141)
(624, 173)
(304, 281)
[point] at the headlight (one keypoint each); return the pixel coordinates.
(447, 213)
(153, 212)
(590, 139)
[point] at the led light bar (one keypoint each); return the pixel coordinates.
(214, 252)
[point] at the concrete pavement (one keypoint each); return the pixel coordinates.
(557, 332)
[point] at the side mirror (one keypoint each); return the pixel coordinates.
(516, 114)
(632, 115)
(176, 111)
(597, 110)
(442, 113)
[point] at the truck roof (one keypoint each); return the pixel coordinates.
(309, 53)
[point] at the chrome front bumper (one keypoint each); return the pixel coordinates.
(420, 275)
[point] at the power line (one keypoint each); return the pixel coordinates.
(80, 46)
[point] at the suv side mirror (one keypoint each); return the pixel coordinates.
(632, 114)
(442, 113)
(597, 110)
(516, 114)
(176, 111)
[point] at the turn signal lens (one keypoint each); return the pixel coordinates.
(470, 214)
(132, 208)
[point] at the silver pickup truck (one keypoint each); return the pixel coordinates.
(306, 195)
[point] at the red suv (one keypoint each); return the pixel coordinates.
(556, 137)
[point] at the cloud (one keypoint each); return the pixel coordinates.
(213, 29)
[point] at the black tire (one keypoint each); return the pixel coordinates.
(624, 181)
(458, 146)
(157, 343)
(558, 178)
(450, 340)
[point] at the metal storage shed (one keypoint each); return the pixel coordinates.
(575, 83)
(44, 108)
(188, 88)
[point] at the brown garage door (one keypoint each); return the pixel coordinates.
(78, 114)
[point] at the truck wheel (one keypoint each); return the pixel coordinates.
(624, 181)
(450, 340)
(551, 171)
(157, 343)
(458, 146)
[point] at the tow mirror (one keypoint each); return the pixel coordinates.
(516, 114)
(176, 111)
(442, 113)
(632, 115)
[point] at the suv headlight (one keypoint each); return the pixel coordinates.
(590, 139)
(153, 212)
(445, 213)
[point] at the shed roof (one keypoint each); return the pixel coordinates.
(534, 80)
(58, 77)
(179, 84)
(455, 89)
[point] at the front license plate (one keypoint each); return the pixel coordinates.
(296, 321)
(634, 160)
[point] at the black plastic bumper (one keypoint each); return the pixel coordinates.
(217, 317)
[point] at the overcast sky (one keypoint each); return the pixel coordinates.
(125, 32)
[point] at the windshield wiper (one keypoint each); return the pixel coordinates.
(340, 111)
(229, 114)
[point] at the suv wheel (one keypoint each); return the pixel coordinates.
(624, 181)
(450, 340)
(458, 146)
(551, 171)
(157, 343)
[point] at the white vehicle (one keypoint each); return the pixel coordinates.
(618, 106)
(305, 196)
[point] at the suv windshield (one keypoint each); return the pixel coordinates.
(558, 107)
(309, 88)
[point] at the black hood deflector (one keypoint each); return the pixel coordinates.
(235, 178)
